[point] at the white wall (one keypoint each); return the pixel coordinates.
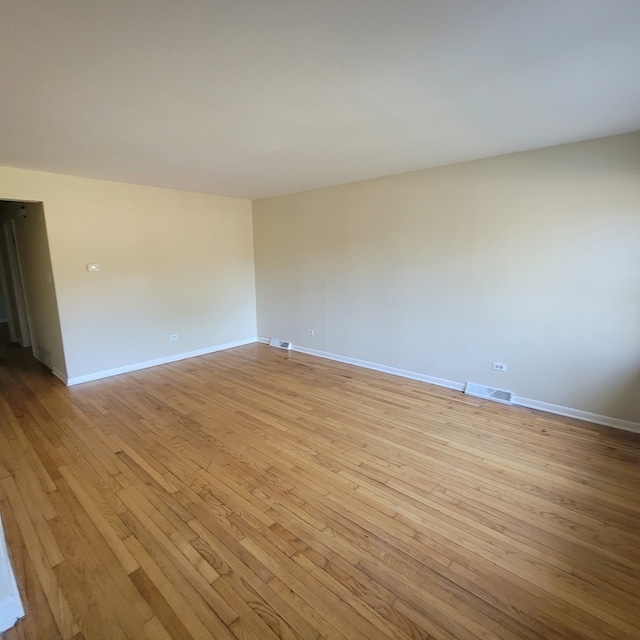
(171, 262)
(531, 259)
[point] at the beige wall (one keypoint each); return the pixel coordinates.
(171, 262)
(531, 259)
(37, 279)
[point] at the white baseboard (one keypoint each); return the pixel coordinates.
(548, 407)
(98, 375)
(569, 412)
(11, 609)
(60, 375)
(403, 373)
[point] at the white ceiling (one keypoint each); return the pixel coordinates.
(252, 98)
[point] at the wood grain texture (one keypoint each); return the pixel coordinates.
(260, 494)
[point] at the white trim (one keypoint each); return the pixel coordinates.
(548, 407)
(59, 375)
(42, 360)
(403, 373)
(11, 609)
(263, 340)
(578, 414)
(98, 375)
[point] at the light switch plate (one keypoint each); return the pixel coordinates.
(93, 267)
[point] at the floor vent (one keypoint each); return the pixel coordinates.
(489, 393)
(281, 344)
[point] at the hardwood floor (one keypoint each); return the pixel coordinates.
(258, 494)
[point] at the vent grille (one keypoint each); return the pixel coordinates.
(489, 393)
(280, 344)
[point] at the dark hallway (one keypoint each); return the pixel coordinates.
(5, 340)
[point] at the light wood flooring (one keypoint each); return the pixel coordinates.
(258, 494)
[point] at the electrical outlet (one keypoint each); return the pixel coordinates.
(499, 366)
(310, 332)
(173, 336)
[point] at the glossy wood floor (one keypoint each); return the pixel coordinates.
(258, 494)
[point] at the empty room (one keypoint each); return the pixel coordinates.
(320, 320)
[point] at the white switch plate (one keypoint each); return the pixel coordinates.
(173, 336)
(93, 267)
(499, 366)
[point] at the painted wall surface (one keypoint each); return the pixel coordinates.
(530, 259)
(37, 279)
(171, 262)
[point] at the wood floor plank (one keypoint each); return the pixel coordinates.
(110, 535)
(39, 622)
(56, 599)
(260, 494)
(95, 582)
(175, 599)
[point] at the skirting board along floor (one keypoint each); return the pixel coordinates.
(530, 403)
(137, 366)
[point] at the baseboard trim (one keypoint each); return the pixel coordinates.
(365, 364)
(108, 373)
(547, 407)
(59, 375)
(578, 414)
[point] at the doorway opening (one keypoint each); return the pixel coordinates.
(28, 304)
